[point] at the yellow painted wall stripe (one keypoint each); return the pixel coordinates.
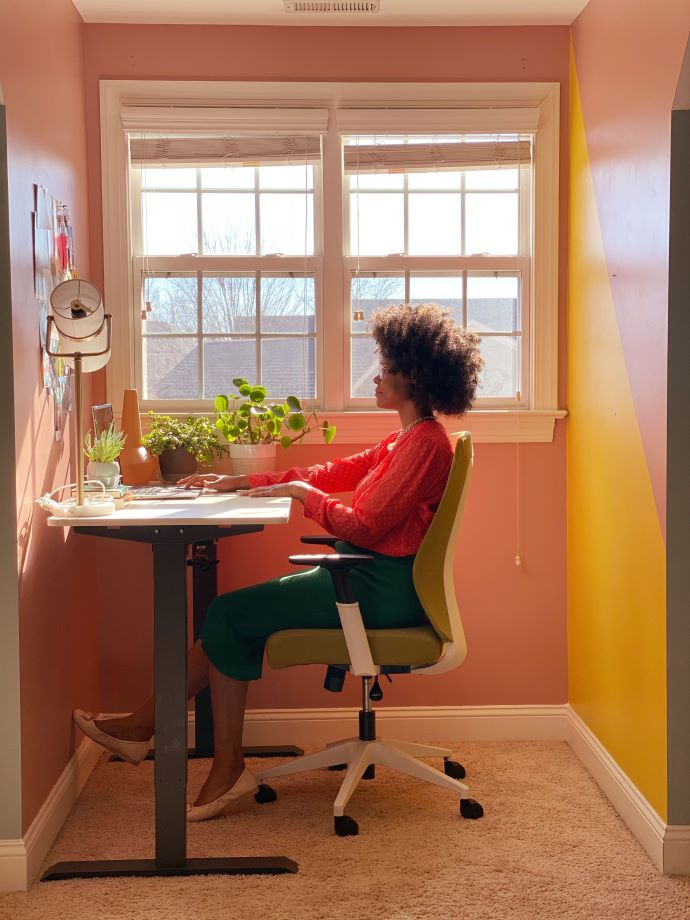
(616, 555)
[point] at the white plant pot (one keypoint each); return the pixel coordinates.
(252, 458)
(107, 473)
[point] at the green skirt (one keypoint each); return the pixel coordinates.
(238, 624)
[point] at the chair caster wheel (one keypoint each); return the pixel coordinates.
(454, 769)
(471, 809)
(345, 826)
(265, 794)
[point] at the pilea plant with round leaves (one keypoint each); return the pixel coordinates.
(246, 417)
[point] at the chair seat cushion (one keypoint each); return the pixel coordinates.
(413, 645)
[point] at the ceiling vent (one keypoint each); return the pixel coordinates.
(334, 6)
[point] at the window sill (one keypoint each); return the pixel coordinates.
(487, 426)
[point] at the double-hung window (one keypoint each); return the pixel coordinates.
(261, 237)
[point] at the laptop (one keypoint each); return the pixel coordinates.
(162, 493)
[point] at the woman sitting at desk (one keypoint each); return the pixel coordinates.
(427, 365)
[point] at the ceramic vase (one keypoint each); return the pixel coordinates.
(137, 465)
(175, 464)
(107, 473)
(252, 458)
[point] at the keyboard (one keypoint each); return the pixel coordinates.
(162, 493)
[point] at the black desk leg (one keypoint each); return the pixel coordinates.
(170, 689)
(204, 564)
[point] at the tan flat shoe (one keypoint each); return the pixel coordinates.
(131, 751)
(245, 787)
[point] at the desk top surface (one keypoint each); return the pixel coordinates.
(211, 508)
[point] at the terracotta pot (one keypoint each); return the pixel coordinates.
(252, 458)
(176, 463)
(137, 465)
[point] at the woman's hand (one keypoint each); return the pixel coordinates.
(297, 490)
(214, 481)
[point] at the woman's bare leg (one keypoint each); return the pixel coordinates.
(228, 699)
(139, 725)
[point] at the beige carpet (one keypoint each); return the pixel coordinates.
(550, 846)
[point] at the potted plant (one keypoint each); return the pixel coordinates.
(102, 454)
(179, 443)
(254, 427)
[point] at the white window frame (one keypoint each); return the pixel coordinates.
(492, 107)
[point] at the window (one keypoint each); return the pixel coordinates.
(261, 239)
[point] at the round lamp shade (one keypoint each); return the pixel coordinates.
(78, 310)
(89, 362)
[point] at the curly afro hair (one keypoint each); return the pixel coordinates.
(440, 360)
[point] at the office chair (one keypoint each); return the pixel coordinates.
(429, 649)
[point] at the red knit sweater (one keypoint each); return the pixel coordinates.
(397, 488)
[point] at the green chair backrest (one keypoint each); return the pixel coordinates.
(433, 567)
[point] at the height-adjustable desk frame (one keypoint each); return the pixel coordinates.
(171, 527)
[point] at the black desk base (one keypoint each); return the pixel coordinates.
(119, 868)
(170, 544)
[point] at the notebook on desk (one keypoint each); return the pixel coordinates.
(162, 493)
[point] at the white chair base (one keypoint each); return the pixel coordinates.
(399, 755)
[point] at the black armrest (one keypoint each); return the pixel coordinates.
(338, 565)
(324, 539)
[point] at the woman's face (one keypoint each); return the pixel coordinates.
(391, 389)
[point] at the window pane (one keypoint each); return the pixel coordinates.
(168, 178)
(500, 374)
(434, 224)
(297, 176)
(376, 224)
(443, 290)
(288, 366)
(282, 224)
(440, 179)
(287, 304)
(491, 224)
(369, 293)
(377, 181)
(229, 303)
(224, 359)
(492, 303)
(228, 177)
(365, 366)
(229, 223)
(173, 304)
(491, 179)
(169, 223)
(172, 368)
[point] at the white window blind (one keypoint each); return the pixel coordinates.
(420, 157)
(154, 151)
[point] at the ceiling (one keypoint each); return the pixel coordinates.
(392, 12)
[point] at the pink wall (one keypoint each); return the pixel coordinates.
(41, 71)
(628, 68)
(515, 618)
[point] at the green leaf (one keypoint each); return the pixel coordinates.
(258, 394)
(329, 434)
(245, 389)
(221, 403)
(220, 423)
(239, 381)
(244, 409)
(285, 442)
(242, 424)
(278, 411)
(233, 432)
(294, 404)
(296, 422)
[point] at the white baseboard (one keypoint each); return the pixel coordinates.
(667, 846)
(20, 860)
(313, 727)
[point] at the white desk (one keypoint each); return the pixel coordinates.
(170, 527)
